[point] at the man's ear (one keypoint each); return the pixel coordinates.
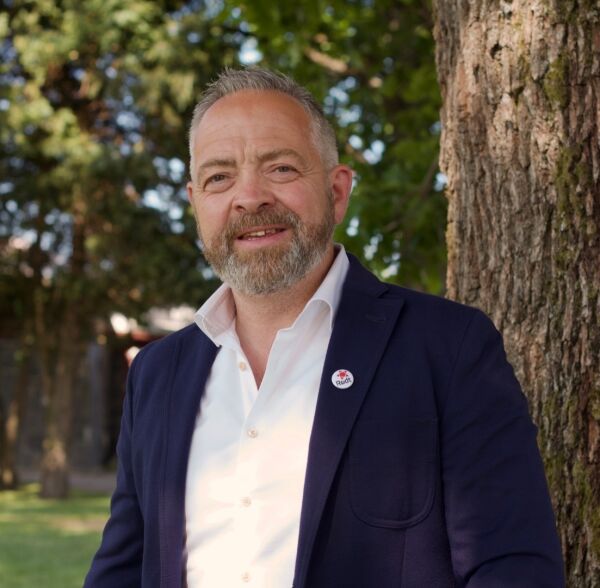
(340, 182)
(189, 187)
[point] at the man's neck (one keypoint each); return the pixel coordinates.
(258, 318)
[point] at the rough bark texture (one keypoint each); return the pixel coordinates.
(520, 84)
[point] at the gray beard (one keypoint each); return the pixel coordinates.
(274, 268)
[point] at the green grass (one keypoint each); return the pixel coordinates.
(48, 543)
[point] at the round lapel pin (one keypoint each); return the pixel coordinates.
(342, 379)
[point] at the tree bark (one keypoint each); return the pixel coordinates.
(520, 83)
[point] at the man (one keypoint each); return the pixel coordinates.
(316, 428)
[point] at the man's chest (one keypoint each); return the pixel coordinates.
(248, 458)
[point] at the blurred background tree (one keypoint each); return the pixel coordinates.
(92, 117)
(95, 99)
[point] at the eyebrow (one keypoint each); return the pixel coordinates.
(211, 163)
(216, 162)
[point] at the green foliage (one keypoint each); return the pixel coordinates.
(95, 98)
(372, 63)
(48, 543)
(94, 101)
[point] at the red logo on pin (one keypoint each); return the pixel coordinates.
(342, 379)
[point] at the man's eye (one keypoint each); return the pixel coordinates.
(216, 182)
(283, 173)
(216, 178)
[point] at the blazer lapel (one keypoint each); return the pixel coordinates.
(192, 361)
(361, 330)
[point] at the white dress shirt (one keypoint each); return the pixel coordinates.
(249, 448)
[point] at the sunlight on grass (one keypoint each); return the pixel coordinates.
(48, 543)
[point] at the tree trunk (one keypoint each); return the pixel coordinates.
(12, 420)
(59, 358)
(520, 84)
(59, 326)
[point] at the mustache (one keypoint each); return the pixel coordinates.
(249, 220)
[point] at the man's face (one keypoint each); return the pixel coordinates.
(264, 204)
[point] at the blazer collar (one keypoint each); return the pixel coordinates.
(362, 327)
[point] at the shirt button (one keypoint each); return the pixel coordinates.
(252, 433)
(246, 501)
(242, 365)
(245, 577)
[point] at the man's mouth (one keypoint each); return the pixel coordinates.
(260, 233)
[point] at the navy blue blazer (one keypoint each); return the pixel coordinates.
(425, 473)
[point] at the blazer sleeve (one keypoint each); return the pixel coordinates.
(118, 561)
(499, 516)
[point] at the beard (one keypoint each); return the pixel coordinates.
(271, 268)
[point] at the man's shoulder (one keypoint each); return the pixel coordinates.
(424, 302)
(436, 315)
(428, 311)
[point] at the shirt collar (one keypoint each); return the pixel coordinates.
(216, 317)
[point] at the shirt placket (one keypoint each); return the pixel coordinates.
(245, 521)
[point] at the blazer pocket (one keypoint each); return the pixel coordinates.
(392, 471)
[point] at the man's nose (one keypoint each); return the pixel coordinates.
(252, 193)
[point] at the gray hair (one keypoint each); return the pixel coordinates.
(231, 81)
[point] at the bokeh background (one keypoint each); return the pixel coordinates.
(98, 242)
(98, 248)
